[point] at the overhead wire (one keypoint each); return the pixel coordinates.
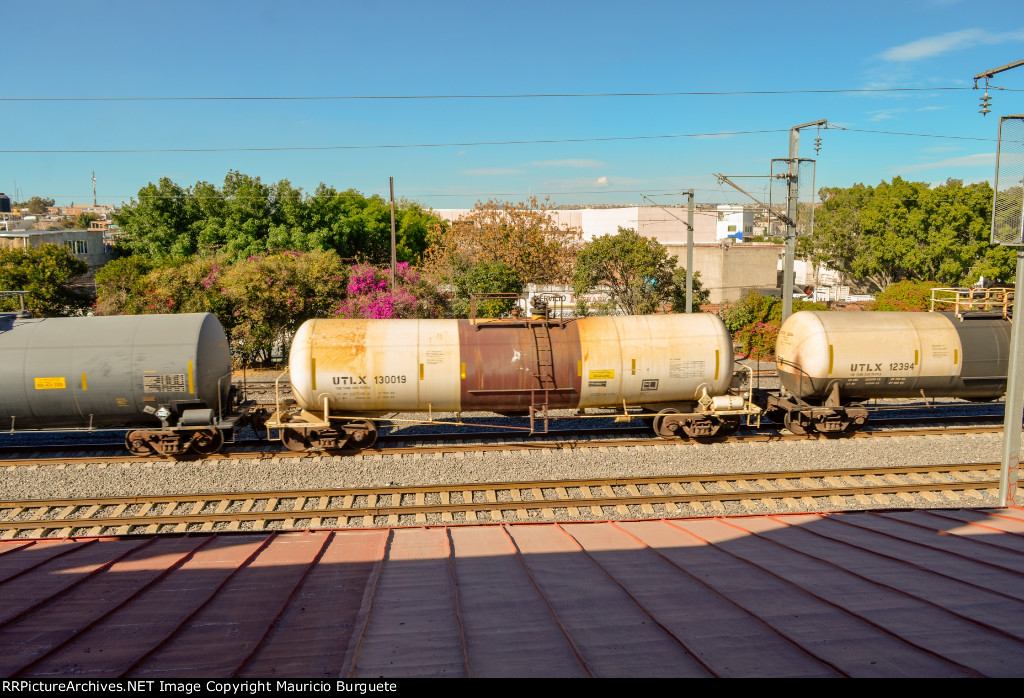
(380, 146)
(548, 95)
(457, 145)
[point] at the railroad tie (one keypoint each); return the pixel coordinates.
(695, 504)
(769, 502)
(492, 497)
(446, 500)
(421, 517)
(838, 483)
(563, 496)
(809, 484)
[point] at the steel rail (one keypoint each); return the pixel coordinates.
(212, 510)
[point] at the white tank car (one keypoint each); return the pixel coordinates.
(364, 368)
(832, 359)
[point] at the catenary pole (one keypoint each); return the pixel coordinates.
(791, 211)
(394, 255)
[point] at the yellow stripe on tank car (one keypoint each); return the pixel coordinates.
(916, 362)
(463, 372)
(956, 356)
(717, 361)
(579, 368)
(831, 359)
(85, 386)
(421, 371)
(191, 386)
(634, 367)
(312, 373)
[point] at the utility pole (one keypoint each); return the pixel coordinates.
(689, 245)
(94, 187)
(689, 252)
(1010, 464)
(791, 211)
(394, 255)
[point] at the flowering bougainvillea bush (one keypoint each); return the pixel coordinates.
(262, 300)
(369, 294)
(914, 296)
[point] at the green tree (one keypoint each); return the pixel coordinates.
(37, 205)
(271, 295)
(522, 236)
(46, 272)
(82, 220)
(637, 272)
(908, 230)
(493, 276)
(160, 224)
(260, 300)
(246, 217)
(121, 285)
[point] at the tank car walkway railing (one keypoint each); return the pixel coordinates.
(987, 302)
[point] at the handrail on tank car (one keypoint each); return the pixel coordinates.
(496, 296)
(749, 408)
(973, 300)
(277, 389)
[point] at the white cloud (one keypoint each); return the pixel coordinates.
(601, 182)
(883, 114)
(977, 160)
(944, 43)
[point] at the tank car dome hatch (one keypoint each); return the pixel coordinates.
(116, 370)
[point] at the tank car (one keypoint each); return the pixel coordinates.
(829, 362)
(345, 373)
(165, 377)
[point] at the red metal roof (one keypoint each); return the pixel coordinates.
(902, 593)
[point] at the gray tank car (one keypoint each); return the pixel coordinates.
(830, 361)
(168, 376)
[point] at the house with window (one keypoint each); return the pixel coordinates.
(86, 245)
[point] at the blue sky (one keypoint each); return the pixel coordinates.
(493, 141)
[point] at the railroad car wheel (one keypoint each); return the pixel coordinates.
(662, 429)
(207, 441)
(791, 423)
(137, 444)
(295, 440)
(362, 434)
(729, 427)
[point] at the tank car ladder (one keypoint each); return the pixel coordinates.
(545, 372)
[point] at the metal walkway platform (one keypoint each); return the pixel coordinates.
(901, 593)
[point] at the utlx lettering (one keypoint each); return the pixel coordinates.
(349, 380)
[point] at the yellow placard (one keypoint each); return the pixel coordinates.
(50, 383)
(602, 374)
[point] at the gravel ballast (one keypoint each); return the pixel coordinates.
(120, 479)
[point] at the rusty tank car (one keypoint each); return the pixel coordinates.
(830, 362)
(677, 370)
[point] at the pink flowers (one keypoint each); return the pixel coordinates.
(370, 294)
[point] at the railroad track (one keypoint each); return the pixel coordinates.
(646, 497)
(423, 445)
